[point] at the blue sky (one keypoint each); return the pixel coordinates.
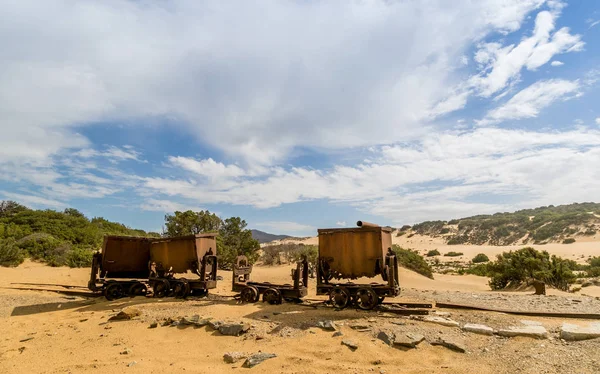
(299, 115)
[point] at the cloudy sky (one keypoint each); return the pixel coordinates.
(299, 114)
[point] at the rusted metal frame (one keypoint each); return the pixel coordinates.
(521, 313)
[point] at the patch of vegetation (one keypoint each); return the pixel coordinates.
(479, 270)
(514, 268)
(412, 260)
(10, 254)
(481, 257)
(453, 254)
(539, 225)
(433, 252)
(568, 241)
(429, 227)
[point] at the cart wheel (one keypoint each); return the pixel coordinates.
(181, 289)
(339, 297)
(249, 294)
(161, 288)
(138, 289)
(272, 296)
(113, 291)
(366, 298)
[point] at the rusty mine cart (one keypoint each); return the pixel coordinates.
(271, 293)
(130, 266)
(351, 253)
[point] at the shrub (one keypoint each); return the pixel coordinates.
(79, 257)
(568, 241)
(481, 257)
(271, 255)
(445, 230)
(594, 261)
(10, 254)
(479, 269)
(453, 254)
(412, 260)
(458, 239)
(527, 264)
(433, 252)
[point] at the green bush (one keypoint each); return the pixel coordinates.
(479, 269)
(514, 268)
(433, 252)
(10, 254)
(412, 260)
(594, 261)
(458, 239)
(453, 254)
(79, 257)
(481, 257)
(568, 241)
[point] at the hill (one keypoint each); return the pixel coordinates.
(58, 238)
(563, 223)
(265, 237)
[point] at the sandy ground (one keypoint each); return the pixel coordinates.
(71, 334)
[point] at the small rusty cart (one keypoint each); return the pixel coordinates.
(272, 293)
(352, 253)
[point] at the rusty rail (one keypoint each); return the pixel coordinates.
(520, 313)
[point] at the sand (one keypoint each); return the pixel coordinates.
(71, 335)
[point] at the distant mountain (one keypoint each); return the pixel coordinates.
(265, 237)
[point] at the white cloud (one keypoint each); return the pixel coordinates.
(502, 64)
(285, 227)
(156, 205)
(598, 121)
(443, 170)
(283, 77)
(341, 223)
(557, 63)
(528, 102)
(207, 167)
(32, 201)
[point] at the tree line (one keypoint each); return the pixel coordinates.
(70, 238)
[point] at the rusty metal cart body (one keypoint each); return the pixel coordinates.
(352, 253)
(178, 266)
(250, 291)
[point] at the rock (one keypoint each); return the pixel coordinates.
(232, 357)
(409, 340)
(257, 358)
(327, 325)
(440, 321)
(153, 325)
(131, 363)
(530, 323)
(572, 332)
(276, 313)
(450, 344)
(376, 362)
(194, 321)
(26, 339)
(478, 329)
(442, 314)
(233, 329)
(360, 327)
(126, 314)
(386, 337)
(219, 277)
(215, 324)
(538, 332)
(126, 351)
(337, 333)
(350, 344)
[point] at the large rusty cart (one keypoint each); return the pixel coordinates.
(178, 266)
(351, 253)
(271, 293)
